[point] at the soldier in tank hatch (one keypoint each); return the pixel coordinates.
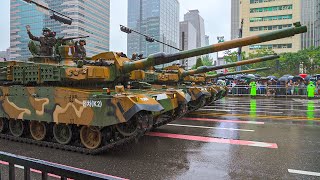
(47, 41)
(80, 51)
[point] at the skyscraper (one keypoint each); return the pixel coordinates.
(188, 40)
(318, 24)
(197, 21)
(235, 18)
(156, 18)
(89, 18)
(310, 18)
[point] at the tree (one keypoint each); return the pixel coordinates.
(207, 60)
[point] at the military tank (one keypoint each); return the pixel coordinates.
(70, 104)
(200, 93)
(218, 92)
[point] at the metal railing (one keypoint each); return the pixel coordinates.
(45, 168)
(271, 90)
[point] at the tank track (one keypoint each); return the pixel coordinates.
(125, 140)
(71, 147)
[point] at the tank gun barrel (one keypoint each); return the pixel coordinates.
(239, 72)
(163, 58)
(204, 69)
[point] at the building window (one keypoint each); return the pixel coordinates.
(272, 8)
(270, 18)
(270, 46)
(270, 28)
(261, 1)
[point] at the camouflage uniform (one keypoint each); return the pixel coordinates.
(46, 44)
(80, 51)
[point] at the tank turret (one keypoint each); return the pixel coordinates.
(162, 58)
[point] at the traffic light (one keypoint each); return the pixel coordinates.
(125, 29)
(61, 19)
(149, 39)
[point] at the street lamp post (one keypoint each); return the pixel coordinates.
(220, 40)
(239, 57)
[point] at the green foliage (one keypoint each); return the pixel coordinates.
(203, 61)
(207, 60)
(288, 63)
(199, 63)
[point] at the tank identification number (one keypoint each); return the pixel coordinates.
(92, 103)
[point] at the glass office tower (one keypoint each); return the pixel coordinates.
(90, 18)
(156, 18)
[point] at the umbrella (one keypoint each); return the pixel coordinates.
(272, 77)
(290, 77)
(230, 77)
(285, 78)
(250, 76)
(308, 77)
(303, 75)
(263, 78)
(296, 78)
(257, 75)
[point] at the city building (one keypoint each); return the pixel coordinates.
(89, 18)
(235, 18)
(261, 16)
(318, 24)
(310, 17)
(188, 40)
(207, 40)
(197, 21)
(158, 19)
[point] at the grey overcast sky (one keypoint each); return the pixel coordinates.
(216, 14)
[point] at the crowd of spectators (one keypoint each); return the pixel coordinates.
(272, 87)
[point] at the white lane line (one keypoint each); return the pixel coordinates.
(206, 127)
(258, 108)
(228, 110)
(309, 173)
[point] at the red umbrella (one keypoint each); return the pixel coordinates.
(303, 75)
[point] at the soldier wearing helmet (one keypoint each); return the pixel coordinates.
(80, 51)
(47, 41)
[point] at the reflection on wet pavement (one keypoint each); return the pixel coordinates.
(236, 138)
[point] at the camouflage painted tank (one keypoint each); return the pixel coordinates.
(200, 93)
(70, 104)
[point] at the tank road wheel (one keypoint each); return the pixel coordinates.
(129, 128)
(62, 133)
(3, 125)
(38, 130)
(91, 137)
(16, 127)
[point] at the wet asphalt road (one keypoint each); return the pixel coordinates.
(236, 138)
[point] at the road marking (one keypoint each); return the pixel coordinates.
(257, 108)
(220, 120)
(258, 116)
(225, 110)
(56, 176)
(235, 110)
(206, 127)
(309, 173)
(214, 140)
